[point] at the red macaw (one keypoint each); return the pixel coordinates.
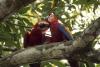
(36, 35)
(32, 38)
(59, 32)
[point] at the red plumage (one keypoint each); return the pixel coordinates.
(33, 37)
(57, 36)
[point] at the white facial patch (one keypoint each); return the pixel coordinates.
(48, 33)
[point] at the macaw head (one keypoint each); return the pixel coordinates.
(52, 18)
(43, 25)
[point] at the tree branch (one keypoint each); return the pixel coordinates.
(5, 48)
(8, 7)
(55, 50)
(93, 56)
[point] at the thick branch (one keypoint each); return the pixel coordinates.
(9, 48)
(94, 56)
(7, 7)
(39, 53)
(91, 32)
(55, 50)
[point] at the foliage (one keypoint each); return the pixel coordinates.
(75, 14)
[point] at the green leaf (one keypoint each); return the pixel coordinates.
(90, 64)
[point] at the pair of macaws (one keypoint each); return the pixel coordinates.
(48, 31)
(52, 27)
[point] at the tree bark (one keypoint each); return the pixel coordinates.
(57, 50)
(7, 7)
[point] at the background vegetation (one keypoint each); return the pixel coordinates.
(75, 14)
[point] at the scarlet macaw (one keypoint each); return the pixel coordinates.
(58, 30)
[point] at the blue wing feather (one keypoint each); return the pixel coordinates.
(65, 33)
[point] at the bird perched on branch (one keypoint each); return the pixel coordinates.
(48, 31)
(58, 29)
(36, 37)
(60, 33)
